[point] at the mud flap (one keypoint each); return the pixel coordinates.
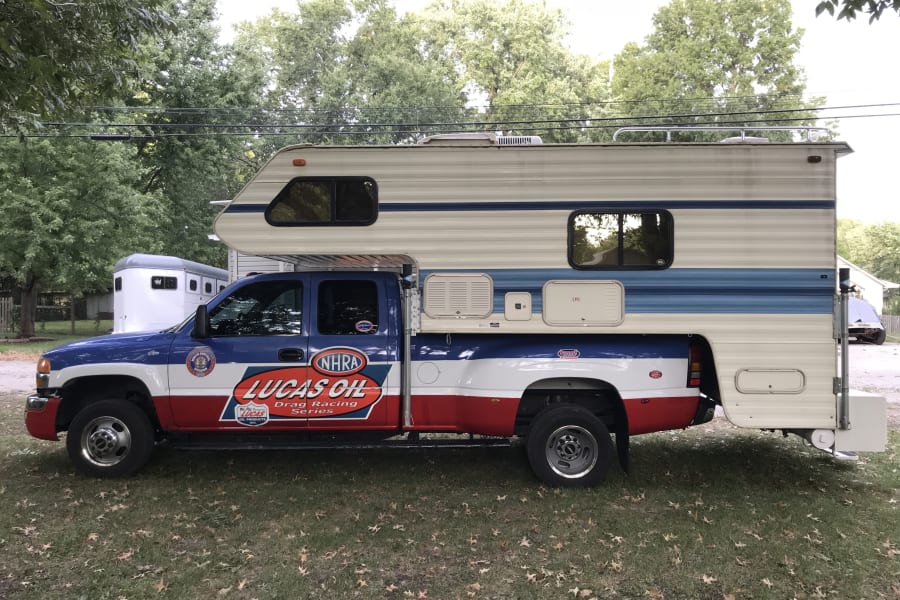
(623, 443)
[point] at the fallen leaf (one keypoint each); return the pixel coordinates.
(707, 579)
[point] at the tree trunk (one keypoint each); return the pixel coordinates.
(72, 312)
(29, 307)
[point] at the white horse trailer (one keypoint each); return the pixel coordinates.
(153, 292)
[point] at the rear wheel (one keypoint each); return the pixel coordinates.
(110, 438)
(568, 446)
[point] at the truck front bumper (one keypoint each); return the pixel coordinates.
(40, 416)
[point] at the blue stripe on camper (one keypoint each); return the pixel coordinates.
(691, 291)
(574, 205)
(601, 205)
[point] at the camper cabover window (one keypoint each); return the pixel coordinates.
(620, 240)
(325, 201)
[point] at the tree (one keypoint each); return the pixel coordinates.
(875, 248)
(59, 56)
(510, 58)
(69, 208)
(339, 68)
(715, 62)
(195, 87)
(850, 8)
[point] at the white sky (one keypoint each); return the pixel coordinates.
(848, 63)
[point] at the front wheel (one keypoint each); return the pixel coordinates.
(110, 438)
(568, 446)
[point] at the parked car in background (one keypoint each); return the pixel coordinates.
(865, 325)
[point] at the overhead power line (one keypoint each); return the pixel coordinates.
(360, 127)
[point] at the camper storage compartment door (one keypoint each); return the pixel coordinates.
(568, 303)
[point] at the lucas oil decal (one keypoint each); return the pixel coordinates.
(338, 383)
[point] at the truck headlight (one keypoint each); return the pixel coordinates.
(36, 402)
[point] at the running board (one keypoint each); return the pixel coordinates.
(295, 442)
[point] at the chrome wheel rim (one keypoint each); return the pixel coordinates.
(571, 451)
(105, 441)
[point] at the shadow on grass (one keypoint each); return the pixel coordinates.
(692, 459)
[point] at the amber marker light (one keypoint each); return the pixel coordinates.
(299, 162)
(42, 377)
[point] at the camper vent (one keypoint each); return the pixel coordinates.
(515, 140)
(458, 295)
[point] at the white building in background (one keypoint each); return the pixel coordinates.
(870, 288)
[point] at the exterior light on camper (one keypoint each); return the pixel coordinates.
(814, 159)
(299, 162)
(695, 366)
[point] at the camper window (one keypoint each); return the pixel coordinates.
(193, 285)
(118, 284)
(620, 240)
(325, 201)
(159, 282)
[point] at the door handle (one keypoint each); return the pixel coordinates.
(290, 354)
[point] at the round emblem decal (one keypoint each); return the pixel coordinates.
(201, 361)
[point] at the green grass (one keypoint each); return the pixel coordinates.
(709, 513)
(59, 331)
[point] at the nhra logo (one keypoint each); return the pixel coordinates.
(338, 383)
(339, 361)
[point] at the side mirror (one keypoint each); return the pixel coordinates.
(201, 323)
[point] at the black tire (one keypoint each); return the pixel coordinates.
(568, 446)
(878, 337)
(110, 438)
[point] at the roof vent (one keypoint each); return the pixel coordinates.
(518, 140)
(479, 138)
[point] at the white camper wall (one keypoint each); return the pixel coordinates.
(752, 272)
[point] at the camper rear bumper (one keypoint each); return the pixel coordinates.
(40, 416)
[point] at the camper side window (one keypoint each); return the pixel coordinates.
(620, 240)
(325, 201)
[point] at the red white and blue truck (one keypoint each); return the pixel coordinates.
(476, 291)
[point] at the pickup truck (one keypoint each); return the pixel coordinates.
(325, 359)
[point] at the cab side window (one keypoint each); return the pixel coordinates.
(265, 308)
(347, 308)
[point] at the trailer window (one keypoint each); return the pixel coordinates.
(193, 285)
(348, 308)
(118, 284)
(159, 282)
(325, 201)
(620, 240)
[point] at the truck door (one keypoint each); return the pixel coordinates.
(251, 372)
(351, 354)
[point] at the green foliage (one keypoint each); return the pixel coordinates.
(343, 66)
(848, 9)
(875, 248)
(59, 56)
(190, 170)
(69, 208)
(715, 62)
